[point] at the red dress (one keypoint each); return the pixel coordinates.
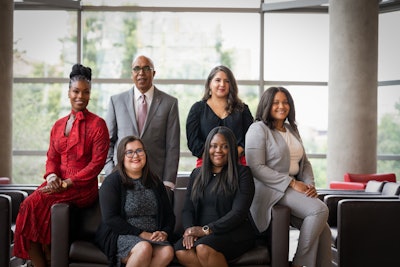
(81, 157)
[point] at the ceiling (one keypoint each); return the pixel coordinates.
(295, 6)
(318, 6)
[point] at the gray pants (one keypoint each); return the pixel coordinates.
(310, 216)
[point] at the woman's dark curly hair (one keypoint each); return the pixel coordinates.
(80, 73)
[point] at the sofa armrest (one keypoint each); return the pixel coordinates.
(280, 236)
(332, 202)
(5, 229)
(368, 232)
(325, 192)
(17, 197)
(5, 180)
(60, 214)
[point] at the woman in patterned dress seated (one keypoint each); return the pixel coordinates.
(137, 216)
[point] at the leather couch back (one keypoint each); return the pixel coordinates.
(85, 221)
(5, 224)
(179, 200)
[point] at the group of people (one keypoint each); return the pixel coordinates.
(244, 166)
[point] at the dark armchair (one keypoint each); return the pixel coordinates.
(367, 233)
(5, 229)
(16, 197)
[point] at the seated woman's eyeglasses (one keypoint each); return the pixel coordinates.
(130, 153)
(137, 69)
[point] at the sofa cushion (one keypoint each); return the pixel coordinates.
(374, 186)
(390, 188)
(257, 256)
(84, 251)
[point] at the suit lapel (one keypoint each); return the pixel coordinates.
(155, 103)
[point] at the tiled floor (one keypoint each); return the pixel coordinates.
(293, 237)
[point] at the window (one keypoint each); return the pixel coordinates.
(186, 39)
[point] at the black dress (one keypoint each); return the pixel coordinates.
(141, 211)
(202, 119)
(227, 216)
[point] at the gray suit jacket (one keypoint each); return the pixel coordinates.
(161, 133)
(268, 157)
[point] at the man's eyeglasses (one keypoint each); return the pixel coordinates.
(130, 153)
(137, 69)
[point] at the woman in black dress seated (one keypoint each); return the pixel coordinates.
(137, 216)
(216, 215)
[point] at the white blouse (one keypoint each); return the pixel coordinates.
(296, 151)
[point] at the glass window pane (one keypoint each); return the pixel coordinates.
(389, 120)
(389, 166)
(35, 109)
(176, 3)
(100, 96)
(389, 43)
(44, 43)
(28, 169)
(319, 170)
(296, 47)
(112, 39)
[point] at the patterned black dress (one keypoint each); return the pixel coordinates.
(141, 212)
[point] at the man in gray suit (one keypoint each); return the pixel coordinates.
(161, 130)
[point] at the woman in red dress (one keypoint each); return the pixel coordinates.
(77, 152)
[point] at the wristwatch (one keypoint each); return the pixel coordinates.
(206, 229)
(64, 184)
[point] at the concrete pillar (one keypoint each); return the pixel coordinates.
(6, 82)
(353, 60)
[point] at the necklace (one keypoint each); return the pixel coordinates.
(218, 108)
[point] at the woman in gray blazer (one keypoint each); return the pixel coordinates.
(283, 175)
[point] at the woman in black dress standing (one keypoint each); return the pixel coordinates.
(220, 106)
(216, 215)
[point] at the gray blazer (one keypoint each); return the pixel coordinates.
(268, 157)
(161, 133)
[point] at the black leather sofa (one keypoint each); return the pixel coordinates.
(359, 222)
(5, 232)
(16, 197)
(73, 231)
